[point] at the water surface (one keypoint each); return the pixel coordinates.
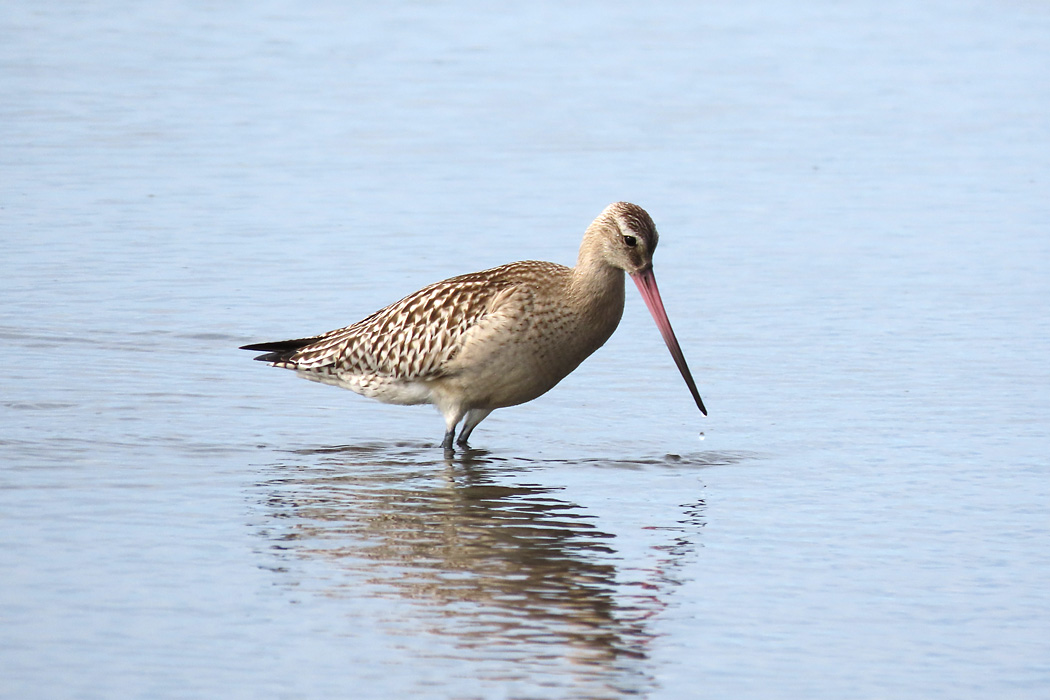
(853, 203)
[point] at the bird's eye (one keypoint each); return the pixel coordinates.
(631, 241)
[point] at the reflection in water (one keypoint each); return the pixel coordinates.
(508, 569)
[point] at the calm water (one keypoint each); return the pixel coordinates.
(853, 200)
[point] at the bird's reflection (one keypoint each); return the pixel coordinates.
(506, 563)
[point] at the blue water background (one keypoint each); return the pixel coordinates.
(853, 200)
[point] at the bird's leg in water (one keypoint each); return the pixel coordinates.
(449, 437)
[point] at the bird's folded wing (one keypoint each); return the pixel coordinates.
(419, 336)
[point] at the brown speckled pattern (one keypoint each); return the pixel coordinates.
(421, 335)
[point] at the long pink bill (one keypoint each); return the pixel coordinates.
(646, 282)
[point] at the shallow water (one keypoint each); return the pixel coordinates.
(853, 203)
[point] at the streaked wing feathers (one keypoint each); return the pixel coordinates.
(418, 336)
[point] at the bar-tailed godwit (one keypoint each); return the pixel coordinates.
(495, 338)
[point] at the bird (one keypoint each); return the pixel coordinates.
(496, 338)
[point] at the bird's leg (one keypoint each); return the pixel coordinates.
(474, 416)
(453, 414)
(446, 444)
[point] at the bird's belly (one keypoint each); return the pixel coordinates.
(386, 389)
(512, 376)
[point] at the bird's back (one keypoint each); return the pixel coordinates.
(420, 336)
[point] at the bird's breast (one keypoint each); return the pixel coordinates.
(529, 345)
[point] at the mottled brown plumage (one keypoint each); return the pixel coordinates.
(490, 339)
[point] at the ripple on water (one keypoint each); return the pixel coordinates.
(502, 568)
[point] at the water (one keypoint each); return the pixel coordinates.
(853, 201)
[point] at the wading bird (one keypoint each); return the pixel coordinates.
(496, 338)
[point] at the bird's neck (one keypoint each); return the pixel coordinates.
(594, 281)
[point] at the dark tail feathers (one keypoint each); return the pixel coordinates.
(280, 350)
